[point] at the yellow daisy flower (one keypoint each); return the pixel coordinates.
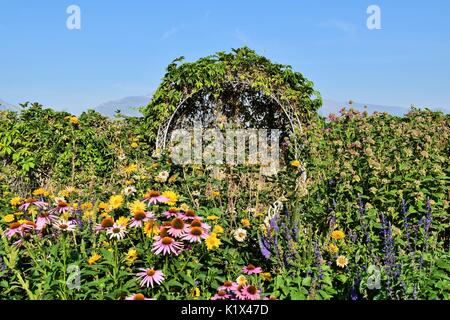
(131, 257)
(245, 223)
(123, 221)
(94, 259)
(116, 201)
(74, 120)
(215, 194)
(338, 235)
(137, 206)
(296, 163)
(86, 206)
(172, 196)
(332, 248)
(9, 218)
(15, 201)
(241, 280)
(40, 192)
(130, 169)
(217, 229)
(265, 276)
(212, 242)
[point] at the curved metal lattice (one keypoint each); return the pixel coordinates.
(269, 112)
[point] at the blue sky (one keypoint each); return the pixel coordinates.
(123, 47)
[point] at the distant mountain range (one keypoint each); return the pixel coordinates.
(129, 106)
(330, 106)
(7, 106)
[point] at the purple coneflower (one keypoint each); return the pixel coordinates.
(195, 234)
(31, 201)
(172, 213)
(177, 228)
(61, 207)
(14, 228)
(228, 286)
(139, 218)
(167, 245)
(251, 269)
(154, 197)
(150, 276)
(117, 231)
(190, 215)
(221, 295)
(106, 223)
(64, 226)
(250, 292)
(198, 223)
(239, 292)
(44, 219)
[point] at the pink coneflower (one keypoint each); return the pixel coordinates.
(177, 228)
(61, 207)
(167, 245)
(154, 197)
(117, 231)
(172, 213)
(195, 234)
(221, 295)
(251, 269)
(239, 292)
(106, 223)
(31, 201)
(191, 215)
(64, 226)
(139, 218)
(44, 219)
(198, 223)
(150, 276)
(251, 293)
(14, 228)
(137, 296)
(228, 286)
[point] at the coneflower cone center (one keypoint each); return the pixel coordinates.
(190, 213)
(30, 200)
(196, 223)
(177, 223)
(107, 223)
(221, 293)
(227, 283)
(116, 230)
(14, 225)
(139, 296)
(196, 231)
(151, 272)
(153, 194)
(139, 215)
(63, 226)
(251, 267)
(167, 241)
(251, 289)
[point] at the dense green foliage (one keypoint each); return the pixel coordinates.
(241, 85)
(362, 213)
